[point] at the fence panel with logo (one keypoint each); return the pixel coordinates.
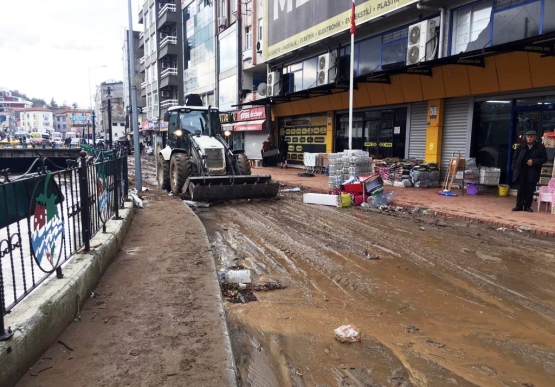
(50, 213)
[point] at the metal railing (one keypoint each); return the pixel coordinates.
(167, 8)
(168, 72)
(168, 40)
(168, 103)
(142, 60)
(48, 215)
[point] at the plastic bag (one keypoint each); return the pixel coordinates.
(347, 333)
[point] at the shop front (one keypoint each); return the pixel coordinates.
(500, 123)
(311, 134)
(246, 130)
(380, 132)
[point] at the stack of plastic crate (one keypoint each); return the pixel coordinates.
(346, 165)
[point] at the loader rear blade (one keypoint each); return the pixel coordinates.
(221, 188)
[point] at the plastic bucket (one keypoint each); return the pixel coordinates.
(472, 189)
(503, 189)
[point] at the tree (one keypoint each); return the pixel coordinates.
(74, 105)
(53, 105)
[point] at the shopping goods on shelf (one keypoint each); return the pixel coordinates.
(347, 164)
(489, 175)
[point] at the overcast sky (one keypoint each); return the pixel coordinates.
(48, 46)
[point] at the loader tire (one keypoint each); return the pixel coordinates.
(244, 164)
(163, 173)
(181, 167)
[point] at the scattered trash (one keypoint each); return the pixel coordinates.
(296, 189)
(316, 198)
(242, 276)
(146, 189)
(524, 228)
(242, 286)
(305, 174)
(435, 343)
(502, 229)
(190, 203)
(137, 202)
(347, 333)
(170, 193)
(413, 329)
(421, 228)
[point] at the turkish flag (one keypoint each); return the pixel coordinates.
(353, 27)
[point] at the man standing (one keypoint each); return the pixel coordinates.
(265, 148)
(528, 159)
(283, 149)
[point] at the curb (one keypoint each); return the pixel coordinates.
(42, 317)
(444, 213)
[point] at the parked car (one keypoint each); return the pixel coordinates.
(75, 142)
(56, 143)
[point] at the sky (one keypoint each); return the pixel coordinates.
(52, 48)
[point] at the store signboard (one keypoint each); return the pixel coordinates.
(257, 113)
(293, 24)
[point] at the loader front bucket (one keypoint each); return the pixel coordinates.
(221, 188)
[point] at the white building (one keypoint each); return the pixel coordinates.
(35, 118)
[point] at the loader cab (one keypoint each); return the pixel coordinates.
(190, 121)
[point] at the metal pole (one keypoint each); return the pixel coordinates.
(109, 98)
(134, 121)
(84, 197)
(93, 116)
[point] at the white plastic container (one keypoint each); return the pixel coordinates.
(238, 276)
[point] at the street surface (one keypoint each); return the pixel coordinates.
(438, 302)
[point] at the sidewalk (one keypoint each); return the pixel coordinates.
(487, 208)
(156, 318)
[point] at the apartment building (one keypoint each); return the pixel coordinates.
(161, 66)
(73, 120)
(132, 77)
(113, 91)
(35, 118)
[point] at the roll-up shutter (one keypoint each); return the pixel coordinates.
(455, 130)
(418, 126)
(253, 144)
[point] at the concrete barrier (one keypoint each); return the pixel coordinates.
(39, 320)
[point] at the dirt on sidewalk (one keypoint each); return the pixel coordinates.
(154, 319)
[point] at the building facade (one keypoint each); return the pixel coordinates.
(8, 101)
(431, 77)
(132, 77)
(112, 91)
(161, 66)
(35, 119)
(73, 120)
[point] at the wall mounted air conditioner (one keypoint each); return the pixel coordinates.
(274, 84)
(163, 35)
(419, 35)
(259, 47)
(165, 65)
(165, 93)
(327, 69)
(222, 22)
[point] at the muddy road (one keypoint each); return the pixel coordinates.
(438, 302)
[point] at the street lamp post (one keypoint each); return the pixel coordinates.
(93, 116)
(109, 100)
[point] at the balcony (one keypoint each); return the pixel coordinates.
(143, 85)
(167, 14)
(168, 40)
(168, 72)
(168, 103)
(142, 60)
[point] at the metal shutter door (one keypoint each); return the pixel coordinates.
(418, 126)
(455, 130)
(253, 144)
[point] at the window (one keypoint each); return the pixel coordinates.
(260, 30)
(152, 44)
(394, 49)
(369, 55)
(248, 38)
(233, 7)
(493, 22)
(223, 9)
(155, 101)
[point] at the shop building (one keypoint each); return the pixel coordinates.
(431, 77)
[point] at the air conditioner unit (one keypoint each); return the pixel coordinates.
(165, 93)
(222, 21)
(326, 68)
(259, 47)
(274, 84)
(163, 35)
(419, 35)
(165, 65)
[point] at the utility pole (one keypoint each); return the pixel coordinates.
(93, 117)
(135, 119)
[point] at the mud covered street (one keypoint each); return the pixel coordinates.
(438, 302)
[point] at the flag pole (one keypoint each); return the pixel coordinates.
(351, 75)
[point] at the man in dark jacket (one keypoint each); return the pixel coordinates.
(528, 159)
(283, 150)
